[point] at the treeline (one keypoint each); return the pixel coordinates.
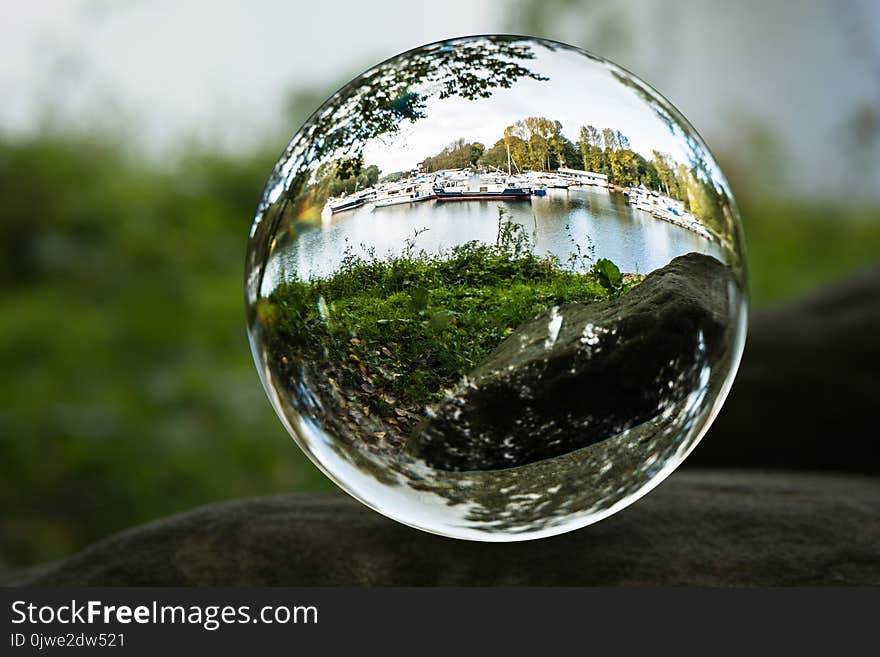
(304, 200)
(458, 155)
(608, 151)
(537, 144)
(339, 178)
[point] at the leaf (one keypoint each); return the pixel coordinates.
(418, 299)
(609, 275)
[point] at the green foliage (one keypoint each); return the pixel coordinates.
(344, 177)
(408, 327)
(496, 157)
(609, 152)
(379, 100)
(535, 143)
(608, 274)
(348, 168)
(794, 248)
(458, 155)
(128, 391)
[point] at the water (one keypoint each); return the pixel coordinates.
(559, 222)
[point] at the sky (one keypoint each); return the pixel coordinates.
(217, 71)
(765, 82)
(579, 92)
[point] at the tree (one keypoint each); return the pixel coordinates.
(666, 176)
(646, 173)
(535, 143)
(590, 147)
(609, 140)
(556, 142)
(332, 183)
(714, 196)
(477, 150)
(457, 155)
(378, 101)
(624, 168)
(570, 153)
(496, 157)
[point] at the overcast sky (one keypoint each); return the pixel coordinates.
(580, 91)
(220, 71)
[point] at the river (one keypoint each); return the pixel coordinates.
(561, 220)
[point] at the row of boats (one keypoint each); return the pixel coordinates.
(462, 185)
(471, 185)
(665, 208)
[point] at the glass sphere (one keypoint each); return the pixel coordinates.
(496, 288)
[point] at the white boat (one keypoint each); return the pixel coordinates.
(643, 199)
(548, 180)
(668, 209)
(556, 182)
(581, 177)
(350, 201)
(413, 190)
(397, 195)
(453, 175)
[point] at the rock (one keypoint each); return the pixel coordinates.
(706, 528)
(806, 395)
(581, 373)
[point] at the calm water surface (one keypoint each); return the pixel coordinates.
(633, 239)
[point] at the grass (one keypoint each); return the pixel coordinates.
(400, 331)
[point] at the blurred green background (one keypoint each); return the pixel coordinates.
(128, 390)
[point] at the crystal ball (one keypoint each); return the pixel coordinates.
(496, 288)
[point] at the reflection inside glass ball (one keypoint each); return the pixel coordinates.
(495, 288)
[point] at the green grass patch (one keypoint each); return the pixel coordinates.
(400, 331)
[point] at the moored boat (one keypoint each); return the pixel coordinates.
(492, 192)
(350, 202)
(665, 208)
(579, 177)
(344, 203)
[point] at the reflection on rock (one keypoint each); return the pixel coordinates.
(582, 373)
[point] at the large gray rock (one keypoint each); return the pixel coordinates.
(581, 373)
(807, 394)
(711, 528)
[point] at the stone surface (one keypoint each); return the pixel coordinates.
(714, 528)
(807, 395)
(581, 373)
